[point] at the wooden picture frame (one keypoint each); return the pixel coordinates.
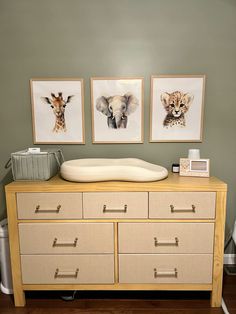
(117, 109)
(177, 108)
(57, 110)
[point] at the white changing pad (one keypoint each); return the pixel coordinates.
(104, 169)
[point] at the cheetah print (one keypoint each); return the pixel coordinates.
(176, 105)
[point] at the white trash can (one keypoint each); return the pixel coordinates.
(5, 265)
(234, 233)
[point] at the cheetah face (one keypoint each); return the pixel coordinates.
(177, 103)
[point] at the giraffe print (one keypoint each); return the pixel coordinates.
(58, 105)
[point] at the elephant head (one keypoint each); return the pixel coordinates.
(117, 108)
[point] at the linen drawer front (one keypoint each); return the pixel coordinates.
(49, 205)
(177, 205)
(73, 269)
(164, 268)
(66, 238)
(115, 205)
(166, 237)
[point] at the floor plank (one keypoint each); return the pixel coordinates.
(123, 302)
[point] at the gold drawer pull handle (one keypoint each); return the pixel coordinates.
(114, 210)
(38, 210)
(165, 273)
(66, 274)
(166, 242)
(183, 210)
(65, 244)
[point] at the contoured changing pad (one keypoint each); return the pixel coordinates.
(105, 169)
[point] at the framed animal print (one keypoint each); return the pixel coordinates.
(117, 110)
(57, 110)
(177, 103)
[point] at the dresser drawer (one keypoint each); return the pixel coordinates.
(166, 237)
(115, 205)
(49, 205)
(177, 205)
(165, 268)
(63, 269)
(66, 238)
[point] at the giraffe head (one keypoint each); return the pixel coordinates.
(58, 104)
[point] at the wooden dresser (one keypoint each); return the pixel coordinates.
(165, 235)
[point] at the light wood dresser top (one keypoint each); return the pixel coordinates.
(174, 182)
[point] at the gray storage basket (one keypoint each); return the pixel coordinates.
(36, 166)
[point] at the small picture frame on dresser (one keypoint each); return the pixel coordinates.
(194, 167)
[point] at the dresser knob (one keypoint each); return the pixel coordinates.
(115, 210)
(66, 274)
(38, 210)
(166, 242)
(65, 244)
(165, 273)
(183, 210)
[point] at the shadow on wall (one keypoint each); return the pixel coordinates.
(4, 181)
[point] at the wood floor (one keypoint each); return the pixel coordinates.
(139, 302)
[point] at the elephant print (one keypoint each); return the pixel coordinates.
(117, 109)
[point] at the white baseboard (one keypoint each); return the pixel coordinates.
(230, 259)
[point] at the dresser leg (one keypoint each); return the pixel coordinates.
(216, 298)
(19, 297)
(216, 295)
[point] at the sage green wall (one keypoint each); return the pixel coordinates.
(84, 38)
